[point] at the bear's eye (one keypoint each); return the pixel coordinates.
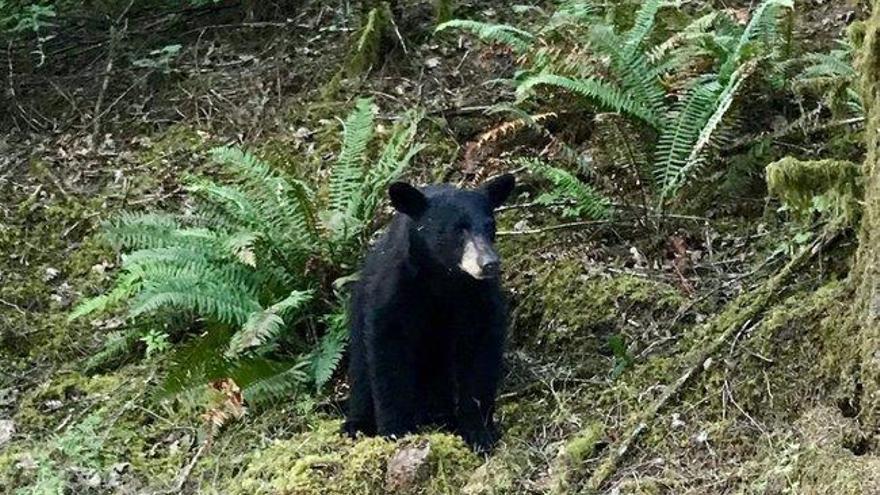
(461, 226)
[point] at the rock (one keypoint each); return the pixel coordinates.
(407, 467)
(7, 429)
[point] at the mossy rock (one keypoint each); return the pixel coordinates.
(324, 462)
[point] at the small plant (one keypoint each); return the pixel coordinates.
(622, 358)
(250, 260)
(32, 18)
(79, 447)
(159, 59)
(156, 342)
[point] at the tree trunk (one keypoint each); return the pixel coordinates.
(867, 263)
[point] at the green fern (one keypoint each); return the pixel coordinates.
(605, 94)
(280, 382)
(761, 29)
(518, 39)
(644, 23)
(266, 325)
(117, 347)
(326, 357)
(243, 260)
(585, 201)
(347, 177)
(633, 71)
(680, 137)
(681, 147)
(833, 78)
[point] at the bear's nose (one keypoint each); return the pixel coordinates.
(491, 269)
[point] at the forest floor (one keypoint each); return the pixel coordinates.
(605, 317)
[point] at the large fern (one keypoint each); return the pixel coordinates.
(244, 258)
(680, 86)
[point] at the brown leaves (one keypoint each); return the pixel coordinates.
(228, 404)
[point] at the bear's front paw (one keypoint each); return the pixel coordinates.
(351, 428)
(396, 431)
(482, 440)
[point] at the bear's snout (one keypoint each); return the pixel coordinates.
(479, 259)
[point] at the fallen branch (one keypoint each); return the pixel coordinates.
(184, 474)
(740, 313)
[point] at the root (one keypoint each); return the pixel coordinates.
(735, 317)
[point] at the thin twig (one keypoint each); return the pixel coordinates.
(108, 71)
(184, 474)
(13, 306)
(551, 228)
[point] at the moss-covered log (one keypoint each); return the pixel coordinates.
(866, 271)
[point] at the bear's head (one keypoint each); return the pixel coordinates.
(454, 228)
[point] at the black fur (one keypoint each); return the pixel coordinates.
(427, 338)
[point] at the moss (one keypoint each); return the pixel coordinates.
(499, 474)
(816, 456)
(323, 462)
(571, 462)
(831, 187)
(568, 309)
(803, 336)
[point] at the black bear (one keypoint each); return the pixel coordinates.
(428, 319)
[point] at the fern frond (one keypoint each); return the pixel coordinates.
(124, 287)
(265, 325)
(394, 158)
(606, 95)
(184, 290)
(157, 264)
(566, 186)
(632, 69)
(138, 230)
(277, 386)
(721, 105)
(347, 175)
(644, 23)
(696, 30)
(116, 348)
(518, 39)
(678, 139)
(327, 356)
(264, 198)
(571, 13)
(761, 26)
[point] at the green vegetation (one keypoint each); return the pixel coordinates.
(189, 188)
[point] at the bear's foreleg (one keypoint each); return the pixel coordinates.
(478, 378)
(391, 360)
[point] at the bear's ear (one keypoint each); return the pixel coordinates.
(407, 199)
(499, 188)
